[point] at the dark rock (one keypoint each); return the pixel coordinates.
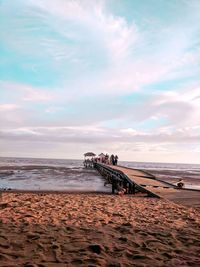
(28, 215)
(127, 224)
(123, 239)
(33, 236)
(55, 246)
(28, 264)
(114, 264)
(3, 205)
(139, 257)
(95, 248)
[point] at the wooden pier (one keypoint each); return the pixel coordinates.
(134, 180)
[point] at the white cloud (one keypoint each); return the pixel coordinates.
(27, 92)
(8, 107)
(98, 56)
(182, 107)
(133, 57)
(112, 32)
(95, 134)
(174, 109)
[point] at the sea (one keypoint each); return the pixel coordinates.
(70, 175)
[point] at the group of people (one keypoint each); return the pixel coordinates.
(90, 159)
(110, 160)
(113, 159)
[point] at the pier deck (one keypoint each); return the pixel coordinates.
(162, 189)
(148, 183)
(143, 179)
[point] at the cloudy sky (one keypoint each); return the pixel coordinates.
(116, 76)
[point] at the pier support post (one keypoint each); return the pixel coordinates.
(113, 187)
(131, 188)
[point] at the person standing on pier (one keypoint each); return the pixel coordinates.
(106, 159)
(112, 159)
(116, 160)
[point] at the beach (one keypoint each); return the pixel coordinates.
(96, 229)
(70, 175)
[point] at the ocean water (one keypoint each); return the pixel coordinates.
(49, 174)
(70, 175)
(171, 172)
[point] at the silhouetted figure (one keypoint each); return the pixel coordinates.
(112, 159)
(116, 160)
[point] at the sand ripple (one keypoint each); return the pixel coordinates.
(96, 230)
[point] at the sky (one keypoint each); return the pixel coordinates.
(115, 76)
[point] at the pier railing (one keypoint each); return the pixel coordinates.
(120, 180)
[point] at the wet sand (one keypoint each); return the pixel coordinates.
(50, 178)
(46, 229)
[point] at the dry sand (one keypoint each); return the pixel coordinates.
(96, 230)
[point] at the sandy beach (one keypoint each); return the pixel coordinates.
(96, 230)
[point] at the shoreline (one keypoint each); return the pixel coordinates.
(183, 198)
(166, 176)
